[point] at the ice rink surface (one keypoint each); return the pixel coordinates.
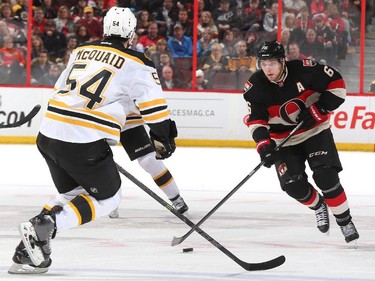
(259, 222)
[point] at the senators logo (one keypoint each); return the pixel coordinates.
(282, 169)
(247, 86)
(290, 110)
(308, 62)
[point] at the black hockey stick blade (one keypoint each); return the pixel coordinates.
(264, 265)
(24, 120)
(179, 240)
(245, 265)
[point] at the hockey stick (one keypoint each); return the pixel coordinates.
(247, 266)
(24, 120)
(179, 240)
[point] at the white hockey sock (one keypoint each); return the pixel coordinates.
(160, 174)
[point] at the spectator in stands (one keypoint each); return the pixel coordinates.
(71, 42)
(253, 43)
(168, 80)
(270, 23)
(143, 22)
(70, 3)
(135, 45)
(285, 39)
(20, 10)
(94, 26)
(206, 20)
(77, 10)
(64, 23)
(354, 17)
(39, 67)
(54, 41)
(225, 17)
(252, 17)
(201, 83)
(337, 24)
(289, 22)
(205, 42)
(16, 27)
(63, 62)
(99, 10)
(82, 34)
(4, 73)
(183, 20)
(11, 54)
(293, 6)
(304, 21)
(372, 87)
(294, 52)
(166, 16)
(164, 59)
(37, 46)
(50, 78)
(50, 9)
(152, 36)
(180, 45)
(327, 37)
(228, 43)
(345, 18)
(155, 51)
(38, 21)
(317, 7)
(312, 48)
(215, 62)
(4, 30)
(201, 7)
(13, 60)
(241, 62)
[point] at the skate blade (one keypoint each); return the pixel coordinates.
(27, 231)
(187, 214)
(114, 214)
(353, 244)
(26, 269)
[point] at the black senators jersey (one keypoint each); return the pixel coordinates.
(276, 106)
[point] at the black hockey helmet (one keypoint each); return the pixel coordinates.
(271, 50)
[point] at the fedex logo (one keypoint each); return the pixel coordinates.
(359, 118)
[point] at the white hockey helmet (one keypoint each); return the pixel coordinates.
(119, 22)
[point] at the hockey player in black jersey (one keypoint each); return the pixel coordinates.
(279, 96)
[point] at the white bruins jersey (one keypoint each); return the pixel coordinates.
(98, 89)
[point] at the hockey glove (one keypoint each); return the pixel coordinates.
(311, 115)
(266, 151)
(164, 147)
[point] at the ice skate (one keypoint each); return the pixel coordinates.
(179, 204)
(36, 236)
(322, 217)
(23, 264)
(114, 214)
(350, 233)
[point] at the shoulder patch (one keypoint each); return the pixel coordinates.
(247, 86)
(308, 62)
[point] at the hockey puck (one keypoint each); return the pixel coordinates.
(186, 250)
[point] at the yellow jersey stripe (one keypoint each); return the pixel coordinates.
(82, 123)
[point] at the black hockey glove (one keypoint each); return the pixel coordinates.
(266, 151)
(311, 115)
(164, 147)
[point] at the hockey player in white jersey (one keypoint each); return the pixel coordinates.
(87, 111)
(136, 142)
